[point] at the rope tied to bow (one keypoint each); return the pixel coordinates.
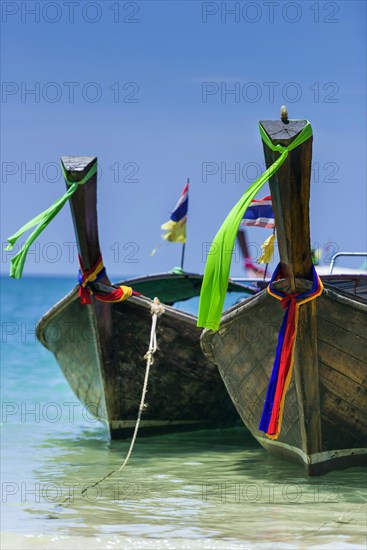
(156, 311)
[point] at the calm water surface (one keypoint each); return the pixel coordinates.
(205, 490)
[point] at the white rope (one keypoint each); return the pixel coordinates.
(156, 311)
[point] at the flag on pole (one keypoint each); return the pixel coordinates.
(259, 214)
(176, 225)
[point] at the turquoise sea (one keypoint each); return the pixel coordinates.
(214, 489)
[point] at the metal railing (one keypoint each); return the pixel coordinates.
(332, 263)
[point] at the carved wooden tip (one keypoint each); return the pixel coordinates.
(282, 133)
(284, 113)
(77, 164)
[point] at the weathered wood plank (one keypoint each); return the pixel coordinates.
(350, 391)
(341, 412)
(342, 362)
(336, 314)
(306, 375)
(245, 353)
(342, 340)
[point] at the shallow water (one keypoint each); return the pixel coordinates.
(207, 489)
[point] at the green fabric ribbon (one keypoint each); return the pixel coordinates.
(42, 221)
(215, 282)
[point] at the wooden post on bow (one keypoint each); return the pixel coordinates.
(290, 191)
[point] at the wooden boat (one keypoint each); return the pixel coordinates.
(324, 422)
(100, 347)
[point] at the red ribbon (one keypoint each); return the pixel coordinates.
(96, 273)
(285, 359)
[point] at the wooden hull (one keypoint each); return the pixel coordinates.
(100, 349)
(244, 349)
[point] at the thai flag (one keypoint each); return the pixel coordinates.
(176, 226)
(259, 214)
(181, 207)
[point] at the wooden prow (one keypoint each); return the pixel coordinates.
(290, 192)
(83, 206)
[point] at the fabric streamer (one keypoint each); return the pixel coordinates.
(215, 282)
(42, 221)
(95, 274)
(268, 250)
(271, 419)
(176, 231)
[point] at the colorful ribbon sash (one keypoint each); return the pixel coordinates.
(96, 273)
(42, 221)
(216, 275)
(271, 419)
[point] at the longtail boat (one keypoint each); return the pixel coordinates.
(100, 346)
(315, 412)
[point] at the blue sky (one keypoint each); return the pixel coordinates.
(142, 85)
